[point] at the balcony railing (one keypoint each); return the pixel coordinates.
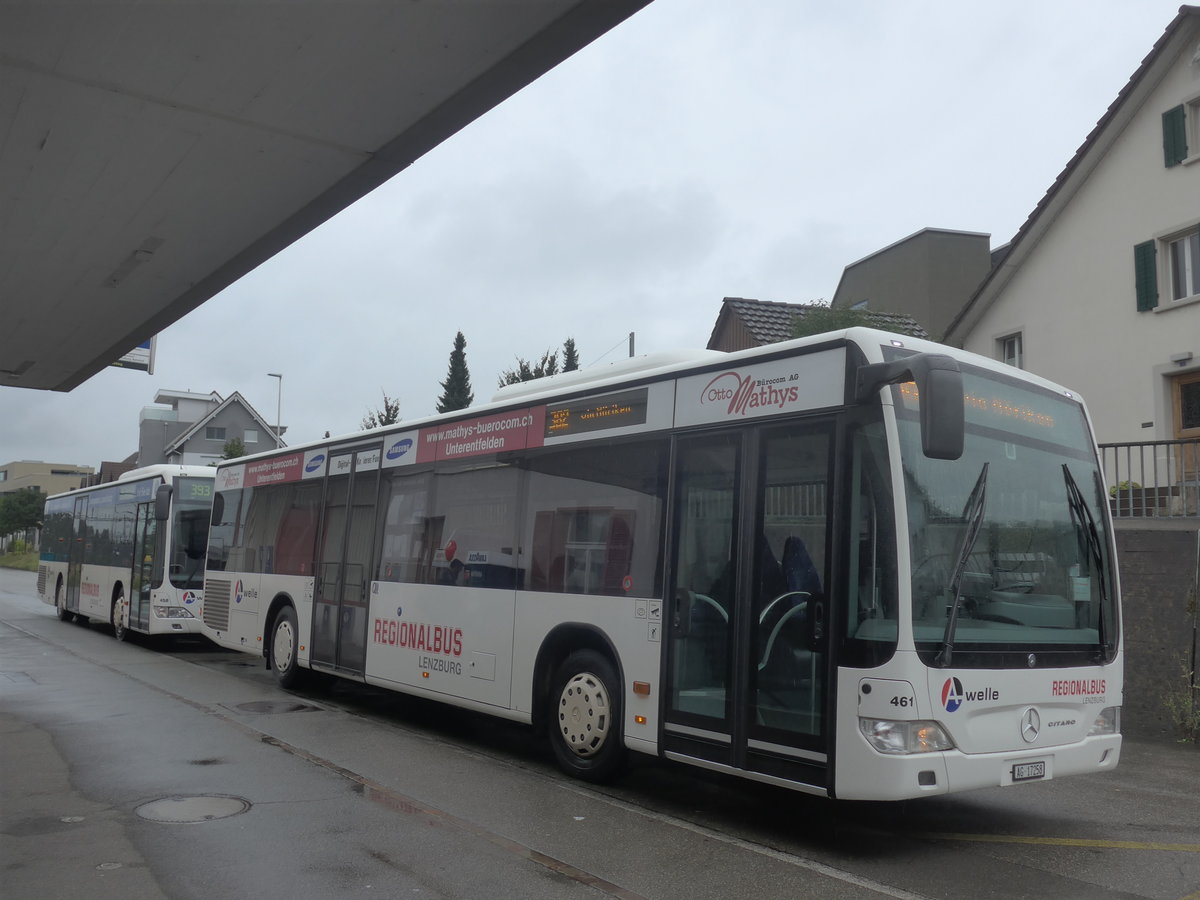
(1155, 478)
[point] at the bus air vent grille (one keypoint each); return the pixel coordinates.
(216, 604)
(41, 581)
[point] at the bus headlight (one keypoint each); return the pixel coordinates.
(1108, 721)
(890, 736)
(172, 612)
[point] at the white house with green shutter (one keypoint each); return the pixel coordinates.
(1100, 289)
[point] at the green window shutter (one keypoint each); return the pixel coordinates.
(1175, 148)
(1145, 276)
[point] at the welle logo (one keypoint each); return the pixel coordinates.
(953, 695)
(743, 394)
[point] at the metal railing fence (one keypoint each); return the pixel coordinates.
(1153, 478)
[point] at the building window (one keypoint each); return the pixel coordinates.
(1192, 115)
(250, 436)
(214, 433)
(1184, 256)
(1012, 350)
(1174, 125)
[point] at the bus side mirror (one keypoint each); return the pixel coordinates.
(940, 390)
(162, 503)
(218, 509)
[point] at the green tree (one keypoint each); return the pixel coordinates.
(820, 319)
(21, 510)
(388, 414)
(456, 389)
(570, 355)
(233, 449)
(524, 370)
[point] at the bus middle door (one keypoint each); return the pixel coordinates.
(141, 582)
(345, 551)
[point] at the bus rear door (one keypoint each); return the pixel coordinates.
(340, 607)
(75, 553)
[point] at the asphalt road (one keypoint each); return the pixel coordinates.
(141, 771)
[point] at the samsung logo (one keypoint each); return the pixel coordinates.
(315, 463)
(399, 448)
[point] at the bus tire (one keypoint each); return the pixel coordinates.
(585, 717)
(117, 617)
(285, 643)
(60, 604)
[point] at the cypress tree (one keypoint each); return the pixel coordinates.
(456, 389)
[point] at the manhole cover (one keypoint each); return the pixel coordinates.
(276, 706)
(192, 810)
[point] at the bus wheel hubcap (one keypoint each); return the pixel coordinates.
(583, 714)
(284, 644)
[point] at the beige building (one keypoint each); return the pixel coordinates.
(49, 478)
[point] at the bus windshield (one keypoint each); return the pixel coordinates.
(190, 509)
(1009, 544)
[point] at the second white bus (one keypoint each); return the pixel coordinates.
(130, 553)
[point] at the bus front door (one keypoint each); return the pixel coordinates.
(339, 628)
(747, 643)
(75, 553)
(142, 577)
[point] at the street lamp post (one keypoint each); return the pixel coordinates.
(278, 405)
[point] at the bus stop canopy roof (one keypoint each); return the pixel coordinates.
(151, 153)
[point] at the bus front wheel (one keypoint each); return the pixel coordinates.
(585, 717)
(284, 645)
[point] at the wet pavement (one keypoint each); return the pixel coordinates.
(136, 772)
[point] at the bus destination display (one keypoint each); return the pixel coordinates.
(597, 414)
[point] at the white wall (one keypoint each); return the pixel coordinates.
(1074, 298)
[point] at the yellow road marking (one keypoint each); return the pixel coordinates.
(1067, 842)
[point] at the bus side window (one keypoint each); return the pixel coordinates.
(872, 607)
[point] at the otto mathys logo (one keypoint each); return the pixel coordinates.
(743, 394)
(237, 593)
(315, 463)
(399, 448)
(952, 694)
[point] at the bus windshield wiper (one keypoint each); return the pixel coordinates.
(973, 513)
(1086, 524)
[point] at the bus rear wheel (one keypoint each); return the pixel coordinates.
(60, 604)
(285, 643)
(585, 717)
(117, 618)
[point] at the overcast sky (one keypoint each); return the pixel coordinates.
(702, 149)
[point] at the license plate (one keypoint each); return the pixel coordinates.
(1029, 771)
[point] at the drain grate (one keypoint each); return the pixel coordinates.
(192, 810)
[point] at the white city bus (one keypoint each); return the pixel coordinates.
(791, 564)
(130, 553)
